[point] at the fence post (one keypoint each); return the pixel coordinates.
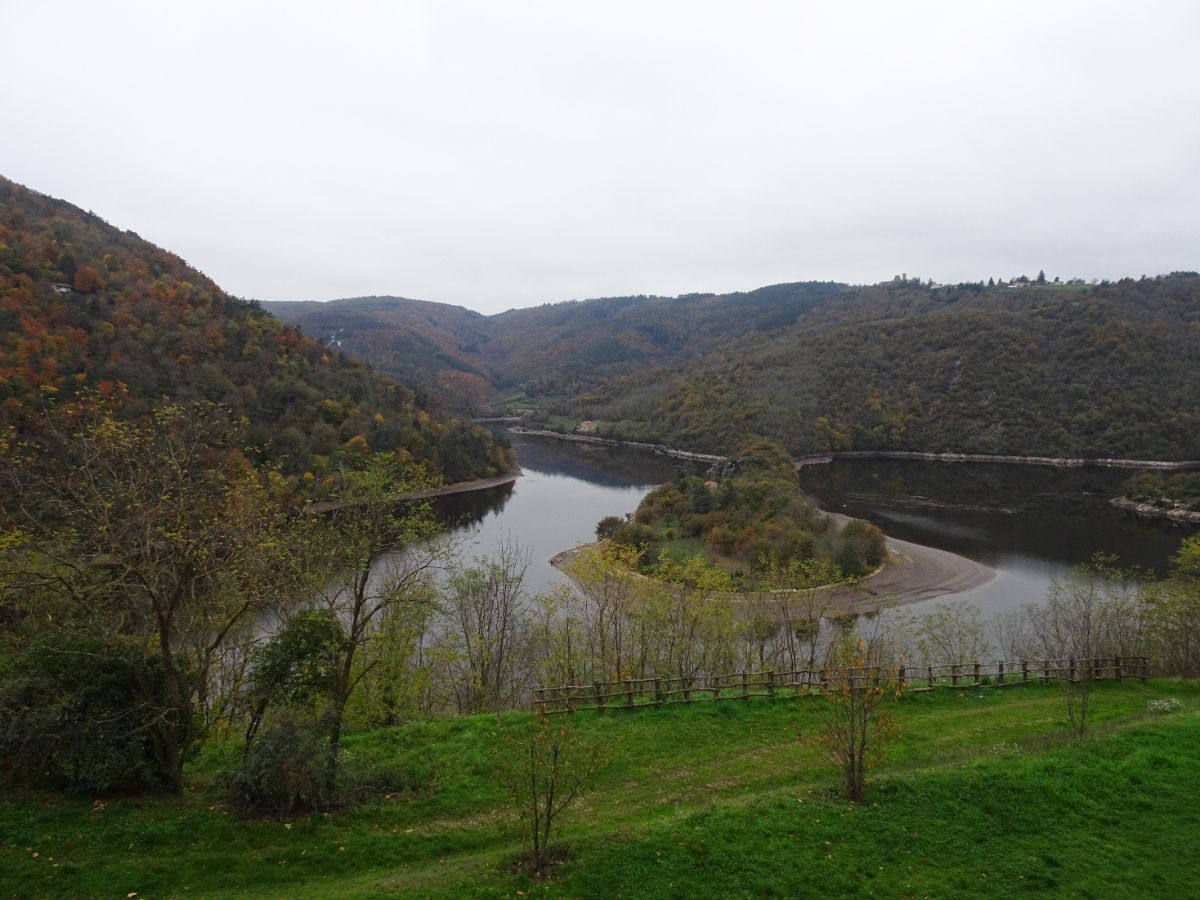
(771, 684)
(628, 692)
(657, 691)
(977, 681)
(1145, 668)
(930, 677)
(900, 678)
(954, 675)
(1118, 660)
(1045, 671)
(599, 695)
(687, 689)
(538, 701)
(1000, 671)
(1025, 671)
(745, 685)
(1071, 670)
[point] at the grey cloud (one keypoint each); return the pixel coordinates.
(506, 154)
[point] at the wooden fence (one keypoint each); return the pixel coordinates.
(635, 693)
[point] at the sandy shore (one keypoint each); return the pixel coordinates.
(915, 572)
(912, 573)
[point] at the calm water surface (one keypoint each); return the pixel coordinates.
(1029, 523)
(565, 489)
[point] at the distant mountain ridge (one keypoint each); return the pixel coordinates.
(557, 348)
(1044, 369)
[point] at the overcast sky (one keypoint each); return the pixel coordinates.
(506, 154)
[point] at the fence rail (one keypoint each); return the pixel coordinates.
(635, 693)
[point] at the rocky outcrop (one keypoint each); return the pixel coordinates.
(1060, 462)
(1154, 511)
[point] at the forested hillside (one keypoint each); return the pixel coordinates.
(552, 349)
(565, 347)
(1028, 369)
(85, 306)
(1111, 370)
(434, 348)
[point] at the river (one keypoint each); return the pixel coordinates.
(1029, 523)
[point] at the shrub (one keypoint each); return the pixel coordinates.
(72, 716)
(608, 526)
(284, 772)
(365, 779)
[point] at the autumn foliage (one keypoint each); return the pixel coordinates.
(137, 322)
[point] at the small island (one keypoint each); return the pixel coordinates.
(746, 525)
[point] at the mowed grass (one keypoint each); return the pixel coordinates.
(983, 795)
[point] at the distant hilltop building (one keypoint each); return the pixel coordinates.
(588, 427)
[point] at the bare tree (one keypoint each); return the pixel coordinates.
(378, 555)
(560, 638)
(951, 632)
(489, 614)
(805, 602)
(1173, 612)
(1093, 612)
(1011, 633)
(608, 586)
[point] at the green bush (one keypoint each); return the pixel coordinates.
(283, 773)
(608, 526)
(72, 716)
(366, 779)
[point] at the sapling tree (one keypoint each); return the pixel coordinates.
(854, 730)
(545, 766)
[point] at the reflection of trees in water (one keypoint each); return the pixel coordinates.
(472, 507)
(597, 463)
(989, 510)
(1042, 489)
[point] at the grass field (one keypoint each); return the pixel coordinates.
(982, 796)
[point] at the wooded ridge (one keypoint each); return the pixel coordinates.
(1062, 371)
(85, 307)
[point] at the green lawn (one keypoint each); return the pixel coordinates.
(982, 796)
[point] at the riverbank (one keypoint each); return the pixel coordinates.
(1153, 511)
(915, 572)
(458, 487)
(817, 459)
(911, 574)
(636, 445)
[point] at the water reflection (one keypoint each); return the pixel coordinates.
(565, 489)
(471, 507)
(1029, 523)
